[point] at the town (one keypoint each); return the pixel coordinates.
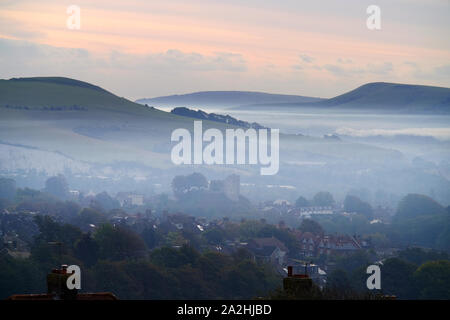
(332, 243)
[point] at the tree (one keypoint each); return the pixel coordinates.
(104, 202)
(419, 256)
(183, 184)
(416, 205)
(88, 217)
(53, 242)
(397, 278)
(7, 188)
(87, 250)
(67, 210)
(174, 258)
(354, 204)
(19, 275)
(179, 184)
(57, 186)
(242, 254)
(51, 231)
(286, 237)
(433, 280)
(323, 199)
(353, 261)
(197, 180)
(118, 243)
(301, 202)
(309, 225)
(338, 280)
(151, 236)
(214, 235)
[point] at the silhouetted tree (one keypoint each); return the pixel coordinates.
(7, 188)
(309, 225)
(397, 278)
(354, 204)
(57, 186)
(433, 280)
(301, 202)
(416, 205)
(118, 243)
(87, 250)
(104, 202)
(183, 184)
(323, 199)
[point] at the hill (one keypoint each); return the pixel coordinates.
(394, 96)
(207, 99)
(82, 121)
(50, 124)
(380, 96)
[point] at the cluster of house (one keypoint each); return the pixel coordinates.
(313, 245)
(272, 250)
(230, 187)
(11, 225)
(266, 249)
(129, 199)
(282, 207)
(12, 245)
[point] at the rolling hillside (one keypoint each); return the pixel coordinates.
(82, 121)
(87, 124)
(379, 96)
(224, 99)
(393, 96)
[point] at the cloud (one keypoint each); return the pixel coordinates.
(436, 73)
(343, 71)
(306, 58)
(18, 29)
(118, 71)
(24, 55)
(442, 71)
(306, 62)
(176, 60)
(344, 61)
(21, 56)
(381, 68)
(369, 69)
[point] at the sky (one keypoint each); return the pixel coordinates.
(144, 48)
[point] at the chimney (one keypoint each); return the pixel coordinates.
(57, 284)
(289, 271)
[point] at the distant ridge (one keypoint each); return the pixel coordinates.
(386, 95)
(378, 96)
(60, 80)
(224, 99)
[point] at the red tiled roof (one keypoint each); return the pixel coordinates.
(268, 242)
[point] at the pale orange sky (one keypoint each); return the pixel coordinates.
(148, 48)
